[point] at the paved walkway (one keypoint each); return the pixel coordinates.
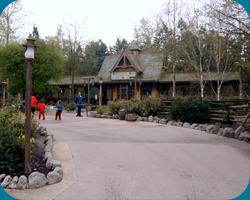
(113, 159)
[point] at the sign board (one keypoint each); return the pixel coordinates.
(122, 75)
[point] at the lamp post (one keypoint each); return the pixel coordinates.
(4, 86)
(29, 59)
(100, 95)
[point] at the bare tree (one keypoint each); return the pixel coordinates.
(11, 21)
(73, 44)
(231, 19)
(169, 19)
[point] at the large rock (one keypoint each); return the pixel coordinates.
(150, 118)
(204, 127)
(179, 124)
(54, 177)
(139, 119)
(37, 180)
(163, 121)
(232, 134)
(186, 125)
(13, 184)
(59, 170)
(6, 181)
(220, 132)
(199, 127)
(238, 131)
(48, 138)
(227, 131)
(244, 135)
(55, 163)
(193, 126)
(22, 183)
(171, 122)
(145, 119)
(47, 155)
(50, 134)
(48, 148)
(2, 176)
(216, 128)
(209, 128)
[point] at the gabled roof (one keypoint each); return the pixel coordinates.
(132, 62)
(148, 63)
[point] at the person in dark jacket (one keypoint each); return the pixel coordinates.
(78, 101)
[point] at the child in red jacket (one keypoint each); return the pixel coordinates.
(41, 108)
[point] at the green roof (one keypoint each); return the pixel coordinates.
(192, 76)
(149, 64)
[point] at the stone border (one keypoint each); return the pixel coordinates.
(241, 133)
(36, 179)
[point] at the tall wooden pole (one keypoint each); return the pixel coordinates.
(88, 92)
(100, 96)
(27, 164)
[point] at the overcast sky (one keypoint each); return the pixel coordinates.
(105, 19)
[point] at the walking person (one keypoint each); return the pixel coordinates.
(33, 103)
(78, 101)
(59, 110)
(41, 109)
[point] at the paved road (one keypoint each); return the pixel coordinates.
(113, 159)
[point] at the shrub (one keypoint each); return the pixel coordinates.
(115, 107)
(150, 105)
(103, 110)
(12, 140)
(195, 110)
(147, 106)
(71, 106)
(133, 106)
(176, 109)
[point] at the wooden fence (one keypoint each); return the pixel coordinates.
(224, 111)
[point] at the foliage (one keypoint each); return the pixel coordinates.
(71, 106)
(150, 105)
(176, 109)
(115, 107)
(196, 110)
(94, 55)
(103, 110)
(120, 45)
(192, 110)
(147, 106)
(12, 139)
(47, 66)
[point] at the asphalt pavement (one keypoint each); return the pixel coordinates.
(116, 159)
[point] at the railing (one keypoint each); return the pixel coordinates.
(224, 111)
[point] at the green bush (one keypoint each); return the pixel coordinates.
(176, 109)
(12, 138)
(196, 110)
(147, 106)
(192, 110)
(103, 110)
(115, 107)
(133, 106)
(150, 105)
(71, 106)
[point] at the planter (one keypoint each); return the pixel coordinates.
(131, 117)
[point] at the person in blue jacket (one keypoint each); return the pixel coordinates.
(59, 110)
(78, 101)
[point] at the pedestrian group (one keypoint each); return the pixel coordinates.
(41, 106)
